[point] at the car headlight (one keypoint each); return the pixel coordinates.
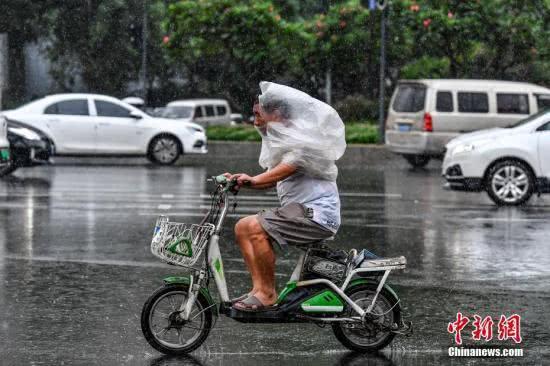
(460, 149)
(194, 129)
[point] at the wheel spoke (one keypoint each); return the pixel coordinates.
(499, 179)
(507, 171)
(161, 332)
(517, 192)
(162, 315)
(501, 191)
(521, 179)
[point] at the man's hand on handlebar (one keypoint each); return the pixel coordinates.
(241, 178)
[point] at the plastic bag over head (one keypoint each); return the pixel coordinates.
(308, 133)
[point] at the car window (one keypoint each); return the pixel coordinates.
(198, 112)
(529, 119)
(444, 102)
(544, 127)
(209, 109)
(221, 110)
(473, 102)
(512, 103)
(543, 101)
(177, 112)
(73, 107)
(108, 109)
(409, 98)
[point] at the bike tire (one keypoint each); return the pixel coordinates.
(341, 335)
(146, 326)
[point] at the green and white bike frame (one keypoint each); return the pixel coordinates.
(198, 281)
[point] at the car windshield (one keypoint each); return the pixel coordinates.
(529, 119)
(177, 112)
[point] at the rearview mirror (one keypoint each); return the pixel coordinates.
(135, 115)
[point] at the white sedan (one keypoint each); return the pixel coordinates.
(509, 163)
(91, 124)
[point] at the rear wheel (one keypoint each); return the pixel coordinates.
(375, 333)
(164, 150)
(163, 327)
(417, 161)
(510, 183)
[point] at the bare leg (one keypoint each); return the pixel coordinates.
(259, 257)
(247, 250)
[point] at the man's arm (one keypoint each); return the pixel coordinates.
(267, 179)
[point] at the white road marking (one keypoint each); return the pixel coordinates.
(164, 207)
(504, 219)
(360, 194)
(166, 195)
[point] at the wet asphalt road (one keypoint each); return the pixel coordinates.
(75, 266)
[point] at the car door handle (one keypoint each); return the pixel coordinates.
(53, 120)
(104, 124)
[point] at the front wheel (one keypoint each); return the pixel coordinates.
(510, 183)
(163, 327)
(417, 161)
(376, 333)
(164, 150)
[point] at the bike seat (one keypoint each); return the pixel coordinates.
(318, 243)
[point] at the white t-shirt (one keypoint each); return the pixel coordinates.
(318, 194)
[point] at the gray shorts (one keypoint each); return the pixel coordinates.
(292, 224)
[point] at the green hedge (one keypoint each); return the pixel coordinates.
(356, 133)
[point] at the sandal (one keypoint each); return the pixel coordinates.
(251, 303)
(240, 298)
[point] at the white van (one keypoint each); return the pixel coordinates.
(425, 114)
(205, 112)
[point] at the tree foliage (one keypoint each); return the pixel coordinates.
(230, 46)
(225, 47)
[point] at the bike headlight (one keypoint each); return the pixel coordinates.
(460, 149)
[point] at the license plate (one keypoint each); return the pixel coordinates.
(4, 155)
(404, 127)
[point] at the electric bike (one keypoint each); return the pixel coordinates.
(327, 287)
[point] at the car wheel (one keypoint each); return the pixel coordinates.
(510, 183)
(417, 161)
(164, 150)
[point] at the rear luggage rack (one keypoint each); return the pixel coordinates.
(384, 263)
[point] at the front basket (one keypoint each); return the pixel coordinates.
(178, 243)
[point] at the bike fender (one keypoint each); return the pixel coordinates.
(185, 280)
(360, 281)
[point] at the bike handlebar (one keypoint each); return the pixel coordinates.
(229, 184)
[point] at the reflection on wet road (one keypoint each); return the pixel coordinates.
(75, 266)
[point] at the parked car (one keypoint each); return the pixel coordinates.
(426, 114)
(206, 112)
(5, 156)
(92, 124)
(509, 163)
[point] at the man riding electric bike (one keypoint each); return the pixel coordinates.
(301, 139)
